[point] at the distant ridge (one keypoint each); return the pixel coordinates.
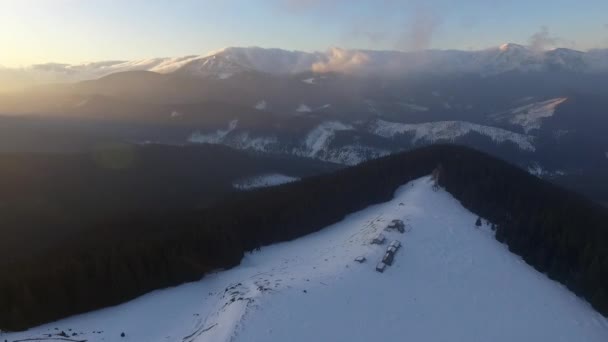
(226, 62)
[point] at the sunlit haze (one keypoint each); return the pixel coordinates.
(75, 31)
(303, 170)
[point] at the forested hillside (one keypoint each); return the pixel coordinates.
(46, 197)
(122, 256)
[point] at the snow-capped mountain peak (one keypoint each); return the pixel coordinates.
(566, 59)
(217, 65)
(512, 47)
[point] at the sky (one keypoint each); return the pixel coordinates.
(75, 31)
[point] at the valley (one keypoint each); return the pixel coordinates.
(539, 111)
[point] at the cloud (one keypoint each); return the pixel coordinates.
(420, 28)
(411, 24)
(52, 67)
(543, 40)
(341, 60)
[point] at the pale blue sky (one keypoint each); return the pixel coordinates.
(72, 31)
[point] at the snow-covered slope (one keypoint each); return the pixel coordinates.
(530, 116)
(450, 281)
(321, 141)
(213, 66)
(449, 131)
(316, 143)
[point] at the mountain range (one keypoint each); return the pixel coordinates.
(542, 110)
(124, 177)
(229, 61)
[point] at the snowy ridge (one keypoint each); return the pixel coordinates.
(504, 58)
(530, 116)
(160, 65)
(263, 181)
(318, 142)
(272, 61)
(449, 131)
(450, 281)
(227, 62)
(213, 66)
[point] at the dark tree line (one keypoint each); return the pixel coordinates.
(45, 198)
(123, 256)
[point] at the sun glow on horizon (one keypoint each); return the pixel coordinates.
(78, 31)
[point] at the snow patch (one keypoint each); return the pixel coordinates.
(309, 80)
(264, 181)
(213, 138)
(244, 141)
(224, 75)
(414, 107)
(261, 105)
(319, 138)
(371, 107)
(537, 170)
(303, 109)
(449, 131)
